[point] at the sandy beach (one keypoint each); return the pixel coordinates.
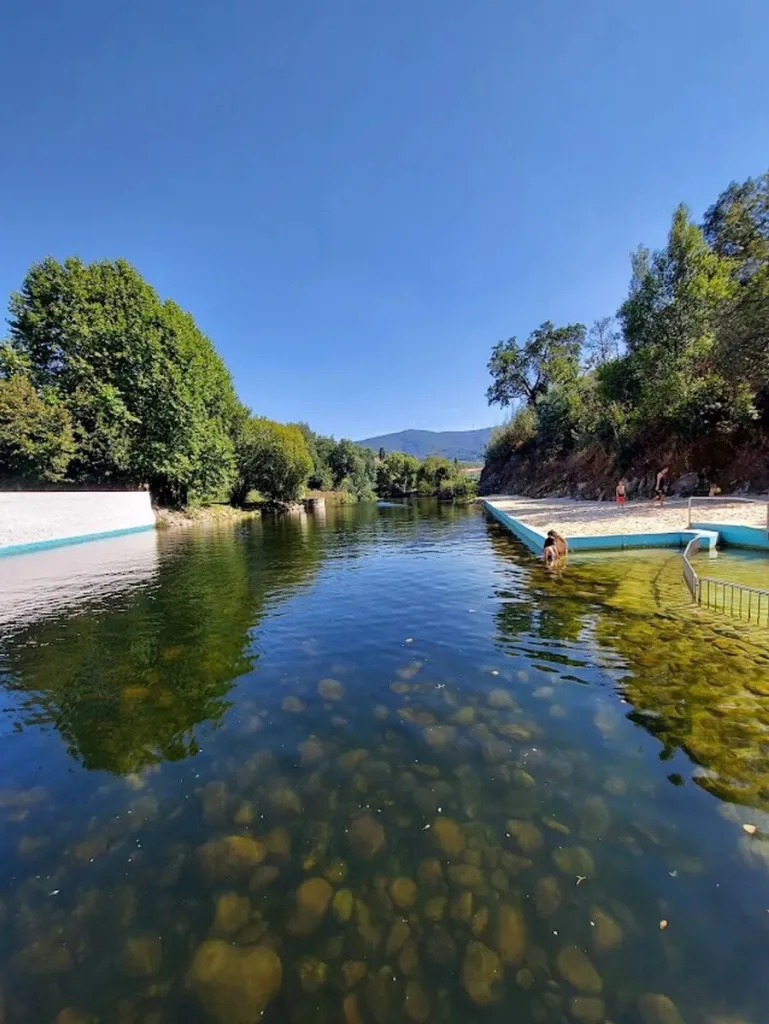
(575, 518)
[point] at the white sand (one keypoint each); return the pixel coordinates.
(591, 518)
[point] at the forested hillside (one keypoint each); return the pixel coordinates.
(679, 375)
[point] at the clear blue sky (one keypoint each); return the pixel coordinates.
(357, 199)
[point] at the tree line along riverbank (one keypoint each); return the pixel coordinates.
(102, 382)
(679, 376)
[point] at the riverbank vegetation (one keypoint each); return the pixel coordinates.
(103, 383)
(680, 374)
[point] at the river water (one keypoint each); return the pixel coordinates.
(373, 768)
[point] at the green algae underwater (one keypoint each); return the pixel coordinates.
(377, 767)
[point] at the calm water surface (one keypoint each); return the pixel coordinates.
(373, 769)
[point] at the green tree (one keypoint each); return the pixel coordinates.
(382, 454)
(36, 439)
(272, 458)
(397, 475)
(150, 400)
(737, 224)
(434, 471)
(550, 355)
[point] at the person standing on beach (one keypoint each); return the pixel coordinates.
(661, 486)
(620, 493)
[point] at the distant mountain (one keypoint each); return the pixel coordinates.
(465, 445)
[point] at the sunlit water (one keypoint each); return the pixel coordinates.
(372, 769)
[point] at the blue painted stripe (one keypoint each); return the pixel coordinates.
(42, 545)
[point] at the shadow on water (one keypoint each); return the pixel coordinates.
(372, 768)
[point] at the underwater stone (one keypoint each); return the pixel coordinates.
(408, 961)
(399, 934)
(336, 871)
(461, 908)
(575, 967)
(353, 971)
(310, 752)
(466, 876)
(511, 935)
(342, 905)
(448, 836)
(285, 800)
(607, 934)
(232, 912)
(500, 699)
(482, 974)
(265, 874)
(594, 818)
(245, 814)
(214, 797)
(416, 1005)
(430, 871)
(293, 705)
(479, 922)
(234, 856)
(311, 903)
(330, 689)
(235, 984)
(527, 835)
(587, 1009)
(312, 973)
(439, 737)
(403, 892)
(574, 860)
(366, 836)
(658, 1009)
(547, 895)
(142, 956)
(435, 908)
(278, 842)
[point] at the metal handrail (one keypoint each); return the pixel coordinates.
(700, 590)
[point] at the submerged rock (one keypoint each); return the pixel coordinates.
(465, 716)
(461, 908)
(245, 814)
(293, 705)
(416, 1005)
(214, 797)
(352, 972)
(480, 921)
(594, 818)
(408, 961)
(439, 737)
(285, 800)
(482, 974)
(607, 934)
(435, 908)
(232, 857)
(310, 752)
(574, 860)
(658, 1009)
(279, 842)
(142, 956)
(500, 700)
(430, 871)
(511, 935)
(312, 973)
(265, 874)
(342, 905)
(447, 835)
(312, 899)
(403, 892)
(380, 991)
(526, 834)
(575, 967)
(547, 895)
(399, 934)
(366, 836)
(232, 912)
(336, 871)
(330, 689)
(235, 984)
(45, 956)
(587, 1009)
(466, 876)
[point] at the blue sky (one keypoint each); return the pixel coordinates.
(357, 199)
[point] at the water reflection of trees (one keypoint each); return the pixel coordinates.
(696, 682)
(128, 680)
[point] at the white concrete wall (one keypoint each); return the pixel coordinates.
(40, 517)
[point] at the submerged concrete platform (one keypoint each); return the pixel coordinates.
(603, 525)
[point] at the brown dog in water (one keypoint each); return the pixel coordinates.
(555, 548)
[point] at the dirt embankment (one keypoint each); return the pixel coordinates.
(593, 473)
(169, 518)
